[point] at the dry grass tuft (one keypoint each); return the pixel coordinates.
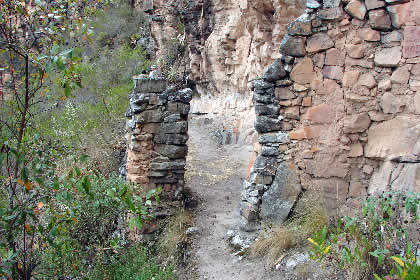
(274, 244)
(309, 215)
(174, 241)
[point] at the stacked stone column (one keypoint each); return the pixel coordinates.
(157, 135)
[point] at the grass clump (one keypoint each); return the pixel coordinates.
(174, 241)
(135, 263)
(308, 215)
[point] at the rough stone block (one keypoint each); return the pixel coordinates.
(170, 139)
(266, 124)
(411, 43)
(322, 113)
(390, 104)
(374, 4)
(334, 57)
(300, 26)
(264, 109)
(175, 127)
(388, 57)
(178, 164)
(262, 85)
(331, 13)
(380, 20)
(333, 72)
(265, 165)
(356, 123)
(281, 196)
(293, 45)
(149, 85)
(319, 42)
(356, 9)
(275, 71)
(356, 51)
(279, 137)
(394, 137)
(303, 72)
(284, 93)
(369, 35)
(401, 75)
(350, 78)
(400, 14)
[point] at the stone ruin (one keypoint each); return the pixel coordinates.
(157, 134)
(339, 112)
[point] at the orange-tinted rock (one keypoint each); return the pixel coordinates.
(322, 113)
(307, 101)
(303, 72)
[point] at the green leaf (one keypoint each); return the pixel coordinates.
(77, 170)
(67, 90)
(83, 158)
(19, 9)
(86, 184)
(150, 193)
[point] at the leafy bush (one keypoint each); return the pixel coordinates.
(372, 242)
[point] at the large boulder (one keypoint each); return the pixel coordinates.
(281, 196)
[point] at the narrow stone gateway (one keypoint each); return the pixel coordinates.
(157, 134)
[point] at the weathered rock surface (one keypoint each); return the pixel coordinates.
(280, 198)
(394, 137)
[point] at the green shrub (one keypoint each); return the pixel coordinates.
(371, 242)
(135, 263)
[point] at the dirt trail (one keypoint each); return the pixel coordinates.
(215, 174)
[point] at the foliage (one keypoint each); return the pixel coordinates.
(132, 263)
(369, 243)
(50, 215)
(93, 121)
(174, 241)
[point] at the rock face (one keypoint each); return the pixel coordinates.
(157, 135)
(336, 107)
(349, 104)
(228, 42)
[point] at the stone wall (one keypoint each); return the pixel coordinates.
(157, 135)
(339, 112)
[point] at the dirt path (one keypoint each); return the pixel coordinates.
(215, 174)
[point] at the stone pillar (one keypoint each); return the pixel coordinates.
(157, 135)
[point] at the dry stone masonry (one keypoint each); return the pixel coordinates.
(339, 112)
(157, 135)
